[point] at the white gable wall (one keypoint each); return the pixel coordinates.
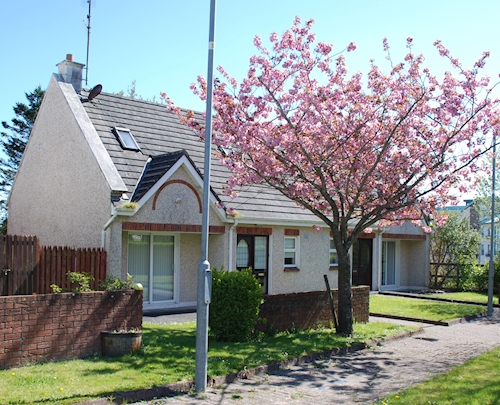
(60, 193)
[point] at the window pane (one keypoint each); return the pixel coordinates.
(334, 258)
(289, 258)
(242, 254)
(163, 267)
(138, 261)
(388, 263)
(260, 258)
(290, 243)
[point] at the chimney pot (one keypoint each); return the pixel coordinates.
(71, 72)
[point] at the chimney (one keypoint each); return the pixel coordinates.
(71, 72)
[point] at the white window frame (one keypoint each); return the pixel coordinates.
(126, 143)
(295, 251)
(175, 300)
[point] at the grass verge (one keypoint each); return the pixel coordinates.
(421, 309)
(168, 356)
(476, 382)
(466, 296)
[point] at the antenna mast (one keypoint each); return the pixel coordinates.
(88, 43)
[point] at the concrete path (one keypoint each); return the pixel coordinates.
(361, 377)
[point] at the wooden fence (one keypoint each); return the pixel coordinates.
(18, 263)
(28, 268)
(55, 262)
(444, 275)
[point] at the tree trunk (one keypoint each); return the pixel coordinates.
(345, 295)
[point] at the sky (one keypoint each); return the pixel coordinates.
(163, 44)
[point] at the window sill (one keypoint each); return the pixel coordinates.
(334, 267)
(291, 269)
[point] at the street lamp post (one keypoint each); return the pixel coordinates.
(204, 271)
(491, 270)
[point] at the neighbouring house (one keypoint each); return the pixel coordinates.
(125, 174)
(483, 226)
(485, 232)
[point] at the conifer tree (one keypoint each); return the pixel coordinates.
(13, 142)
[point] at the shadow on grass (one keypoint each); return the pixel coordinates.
(422, 309)
(168, 356)
(448, 311)
(161, 348)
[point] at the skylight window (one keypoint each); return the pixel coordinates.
(126, 139)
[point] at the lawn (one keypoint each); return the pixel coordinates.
(476, 382)
(168, 355)
(421, 309)
(466, 296)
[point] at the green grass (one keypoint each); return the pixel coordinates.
(467, 296)
(476, 382)
(421, 309)
(168, 355)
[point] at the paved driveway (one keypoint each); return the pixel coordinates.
(360, 377)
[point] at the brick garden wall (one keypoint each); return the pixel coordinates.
(59, 326)
(309, 309)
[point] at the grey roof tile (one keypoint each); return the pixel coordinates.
(160, 134)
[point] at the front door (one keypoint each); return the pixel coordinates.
(362, 253)
(251, 251)
(151, 263)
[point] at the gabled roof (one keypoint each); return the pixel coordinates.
(156, 167)
(162, 138)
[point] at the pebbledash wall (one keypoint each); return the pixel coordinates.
(59, 326)
(310, 309)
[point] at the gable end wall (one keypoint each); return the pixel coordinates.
(60, 194)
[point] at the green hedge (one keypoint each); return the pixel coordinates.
(235, 305)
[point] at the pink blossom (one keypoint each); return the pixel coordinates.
(355, 150)
(427, 229)
(351, 47)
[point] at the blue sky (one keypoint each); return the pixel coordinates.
(162, 44)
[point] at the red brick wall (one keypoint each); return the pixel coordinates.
(309, 309)
(59, 326)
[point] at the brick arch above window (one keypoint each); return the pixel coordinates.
(185, 183)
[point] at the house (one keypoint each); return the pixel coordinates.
(483, 226)
(125, 174)
(485, 248)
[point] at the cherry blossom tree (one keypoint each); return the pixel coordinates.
(355, 151)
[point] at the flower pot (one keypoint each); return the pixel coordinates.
(120, 343)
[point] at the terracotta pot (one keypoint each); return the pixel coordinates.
(120, 343)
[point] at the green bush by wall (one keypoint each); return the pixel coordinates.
(234, 309)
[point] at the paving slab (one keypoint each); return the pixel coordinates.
(361, 377)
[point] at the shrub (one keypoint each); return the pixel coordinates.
(473, 277)
(82, 279)
(235, 306)
(111, 283)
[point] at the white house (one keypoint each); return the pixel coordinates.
(127, 175)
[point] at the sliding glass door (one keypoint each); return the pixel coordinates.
(151, 263)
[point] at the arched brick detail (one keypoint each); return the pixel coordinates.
(157, 194)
